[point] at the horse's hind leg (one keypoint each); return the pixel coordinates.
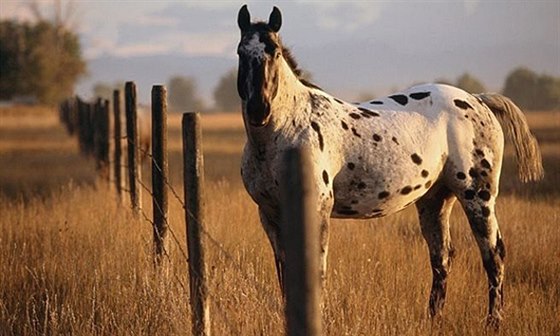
(479, 207)
(434, 209)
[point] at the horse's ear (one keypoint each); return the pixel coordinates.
(244, 18)
(275, 20)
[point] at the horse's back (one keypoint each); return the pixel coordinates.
(426, 135)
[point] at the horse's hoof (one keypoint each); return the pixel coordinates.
(493, 321)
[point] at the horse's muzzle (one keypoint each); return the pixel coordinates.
(258, 112)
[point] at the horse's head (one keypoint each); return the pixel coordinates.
(259, 53)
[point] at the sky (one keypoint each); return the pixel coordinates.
(314, 29)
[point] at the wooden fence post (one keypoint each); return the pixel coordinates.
(117, 152)
(193, 167)
(159, 171)
(90, 128)
(132, 136)
(101, 137)
(300, 237)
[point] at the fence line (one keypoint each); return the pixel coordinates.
(78, 116)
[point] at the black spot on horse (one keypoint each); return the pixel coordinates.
(294, 123)
(395, 140)
(469, 194)
(377, 137)
(419, 95)
(485, 164)
(428, 184)
(367, 112)
(317, 129)
(383, 194)
(416, 159)
(461, 176)
(406, 190)
(483, 173)
(418, 186)
(473, 173)
(400, 98)
(339, 101)
(485, 211)
(326, 177)
(484, 195)
(462, 104)
(479, 152)
(354, 116)
(356, 132)
(344, 125)
(424, 173)
(376, 102)
(362, 185)
(351, 165)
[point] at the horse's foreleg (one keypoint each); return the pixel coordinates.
(324, 249)
(272, 230)
(434, 210)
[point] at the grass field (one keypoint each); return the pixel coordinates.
(73, 261)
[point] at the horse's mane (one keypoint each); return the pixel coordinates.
(292, 62)
(262, 26)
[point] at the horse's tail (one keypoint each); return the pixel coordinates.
(529, 161)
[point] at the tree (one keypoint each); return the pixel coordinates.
(520, 85)
(183, 95)
(470, 84)
(225, 94)
(41, 59)
(532, 91)
(548, 93)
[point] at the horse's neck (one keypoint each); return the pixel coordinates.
(292, 100)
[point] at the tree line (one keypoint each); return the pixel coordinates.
(528, 89)
(43, 60)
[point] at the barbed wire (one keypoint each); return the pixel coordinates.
(273, 304)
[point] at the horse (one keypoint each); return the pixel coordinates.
(427, 146)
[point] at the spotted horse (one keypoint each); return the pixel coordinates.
(429, 146)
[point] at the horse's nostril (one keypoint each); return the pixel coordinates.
(258, 112)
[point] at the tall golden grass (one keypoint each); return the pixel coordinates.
(76, 261)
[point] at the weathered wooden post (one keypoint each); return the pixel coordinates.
(300, 237)
(101, 137)
(83, 117)
(89, 128)
(134, 171)
(117, 151)
(193, 167)
(159, 171)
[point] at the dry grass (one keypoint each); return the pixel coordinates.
(74, 261)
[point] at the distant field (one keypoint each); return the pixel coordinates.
(74, 261)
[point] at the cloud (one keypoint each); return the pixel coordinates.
(348, 17)
(471, 6)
